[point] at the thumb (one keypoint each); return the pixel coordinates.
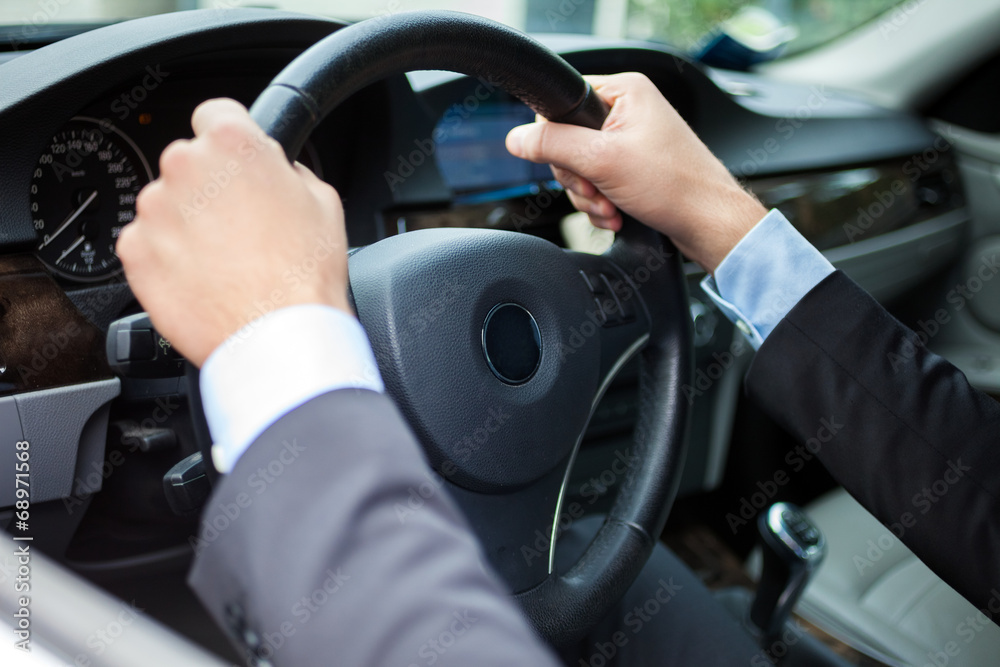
(558, 144)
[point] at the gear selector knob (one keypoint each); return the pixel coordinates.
(793, 548)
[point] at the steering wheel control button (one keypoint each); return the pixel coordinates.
(617, 315)
(703, 322)
(135, 349)
(593, 284)
(602, 315)
(512, 343)
(610, 306)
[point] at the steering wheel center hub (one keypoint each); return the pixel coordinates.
(512, 343)
(469, 327)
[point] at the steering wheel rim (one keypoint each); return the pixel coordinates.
(562, 607)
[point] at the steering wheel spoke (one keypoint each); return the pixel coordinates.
(517, 529)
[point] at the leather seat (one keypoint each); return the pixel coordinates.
(874, 594)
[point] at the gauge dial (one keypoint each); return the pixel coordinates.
(83, 192)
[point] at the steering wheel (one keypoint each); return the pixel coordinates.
(497, 346)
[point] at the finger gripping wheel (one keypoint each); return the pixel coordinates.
(563, 607)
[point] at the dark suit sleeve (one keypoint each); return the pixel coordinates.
(332, 543)
(898, 426)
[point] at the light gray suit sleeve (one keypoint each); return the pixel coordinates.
(331, 542)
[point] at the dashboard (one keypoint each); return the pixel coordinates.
(85, 120)
(87, 174)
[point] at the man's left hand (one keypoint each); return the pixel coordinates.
(227, 226)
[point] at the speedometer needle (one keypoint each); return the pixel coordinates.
(69, 221)
(71, 248)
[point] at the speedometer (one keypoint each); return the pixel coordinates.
(83, 192)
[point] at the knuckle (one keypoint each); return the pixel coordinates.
(264, 145)
(534, 142)
(175, 157)
(228, 132)
(578, 202)
(128, 246)
(637, 79)
(271, 143)
(145, 201)
(327, 197)
(571, 181)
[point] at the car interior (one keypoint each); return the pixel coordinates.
(881, 145)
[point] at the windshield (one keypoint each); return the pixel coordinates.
(684, 24)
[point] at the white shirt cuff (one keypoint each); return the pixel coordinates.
(275, 364)
(765, 275)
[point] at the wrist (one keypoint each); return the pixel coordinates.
(310, 349)
(238, 325)
(721, 226)
(335, 298)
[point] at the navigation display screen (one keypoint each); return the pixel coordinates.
(471, 153)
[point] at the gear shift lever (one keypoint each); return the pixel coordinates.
(793, 548)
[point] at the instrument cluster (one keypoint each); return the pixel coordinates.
(88, 174)
(83, 191)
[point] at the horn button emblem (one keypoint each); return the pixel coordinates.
(512, 343)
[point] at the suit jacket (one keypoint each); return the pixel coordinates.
(333, 543)
(898, 426)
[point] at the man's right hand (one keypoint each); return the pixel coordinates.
(647, 162)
